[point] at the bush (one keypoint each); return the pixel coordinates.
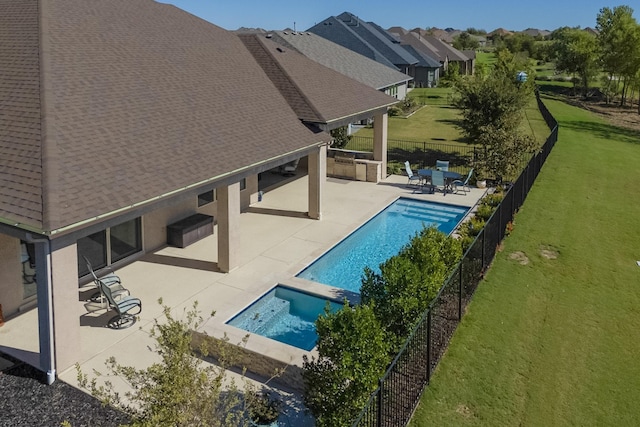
(395, 168)
(179, 390)
(352, 355)
(409, 281)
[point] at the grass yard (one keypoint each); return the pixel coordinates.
(436, 122)
(430, 123)
(555, 342)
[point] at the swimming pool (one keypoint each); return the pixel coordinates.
(284, 315)
(379, 239)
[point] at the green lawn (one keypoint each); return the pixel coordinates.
(556, 342)
(436, 122)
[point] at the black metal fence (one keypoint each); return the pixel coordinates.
(399, 390)
(421, 154)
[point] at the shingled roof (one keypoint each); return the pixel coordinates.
(366, 38)
(341, 59)
(110, 104)
(305, 84)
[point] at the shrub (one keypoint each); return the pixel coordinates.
(178, 390)
(352, 355)
(409, 281)
(395, 167)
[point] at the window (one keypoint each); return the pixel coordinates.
(207, 197)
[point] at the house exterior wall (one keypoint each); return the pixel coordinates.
(11, 287)
(155, 223)
(402, 91)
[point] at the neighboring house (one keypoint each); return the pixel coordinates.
(365, 38)
(437, 49)
(344, 61)
(119, 118)
(534, 32)
(428, 71)
(466, 65)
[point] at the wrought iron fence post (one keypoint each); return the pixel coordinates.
(460, 294)
(380, 384)
(429, 346)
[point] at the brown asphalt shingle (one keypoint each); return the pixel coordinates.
(137, 99)
(20, 167)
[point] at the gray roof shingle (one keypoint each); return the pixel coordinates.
(341, 59)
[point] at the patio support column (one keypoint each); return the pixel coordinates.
(317, 178)
(228, 227)
(58, 314)
(380, 122)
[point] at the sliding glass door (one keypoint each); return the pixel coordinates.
(109, 246)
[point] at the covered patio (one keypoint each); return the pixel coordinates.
(277, 240)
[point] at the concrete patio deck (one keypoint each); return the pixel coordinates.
(277, 241)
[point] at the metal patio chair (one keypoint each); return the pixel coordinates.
(412, 177)
(123, 307)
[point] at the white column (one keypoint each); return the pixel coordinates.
(317, 178)
(228, 227)
(380, 122)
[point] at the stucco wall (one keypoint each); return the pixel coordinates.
(11, 287)
(155, 223)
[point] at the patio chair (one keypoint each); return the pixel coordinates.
(442, 165)
(412, 177)
(458, 184)
(438, 182)
(110, 279)
(123, 307)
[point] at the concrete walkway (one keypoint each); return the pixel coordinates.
(277, 241)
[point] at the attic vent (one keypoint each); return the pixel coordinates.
(308, 34)
(269, 35)
(285, 33)
(279, 49)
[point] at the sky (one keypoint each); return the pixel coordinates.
(459, 14)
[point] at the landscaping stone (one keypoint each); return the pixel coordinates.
(28, 401)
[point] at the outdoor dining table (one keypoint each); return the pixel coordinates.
(449, 176)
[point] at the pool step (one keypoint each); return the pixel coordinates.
(429, 218)
(432, 207)
(270, 314)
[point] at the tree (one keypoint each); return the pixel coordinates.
(503, 153)
(520, 42)
(352, 356)
(409, 281)
(340, 136)
(464, 41)
(576, 52)
(619, 39)
(179, 390)
(491, 115)
(495, 101)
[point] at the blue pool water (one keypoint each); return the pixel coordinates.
(284, 315)
(378, 240)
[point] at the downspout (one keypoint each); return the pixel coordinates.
(49, 364)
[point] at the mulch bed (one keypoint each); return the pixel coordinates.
(27, 400)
